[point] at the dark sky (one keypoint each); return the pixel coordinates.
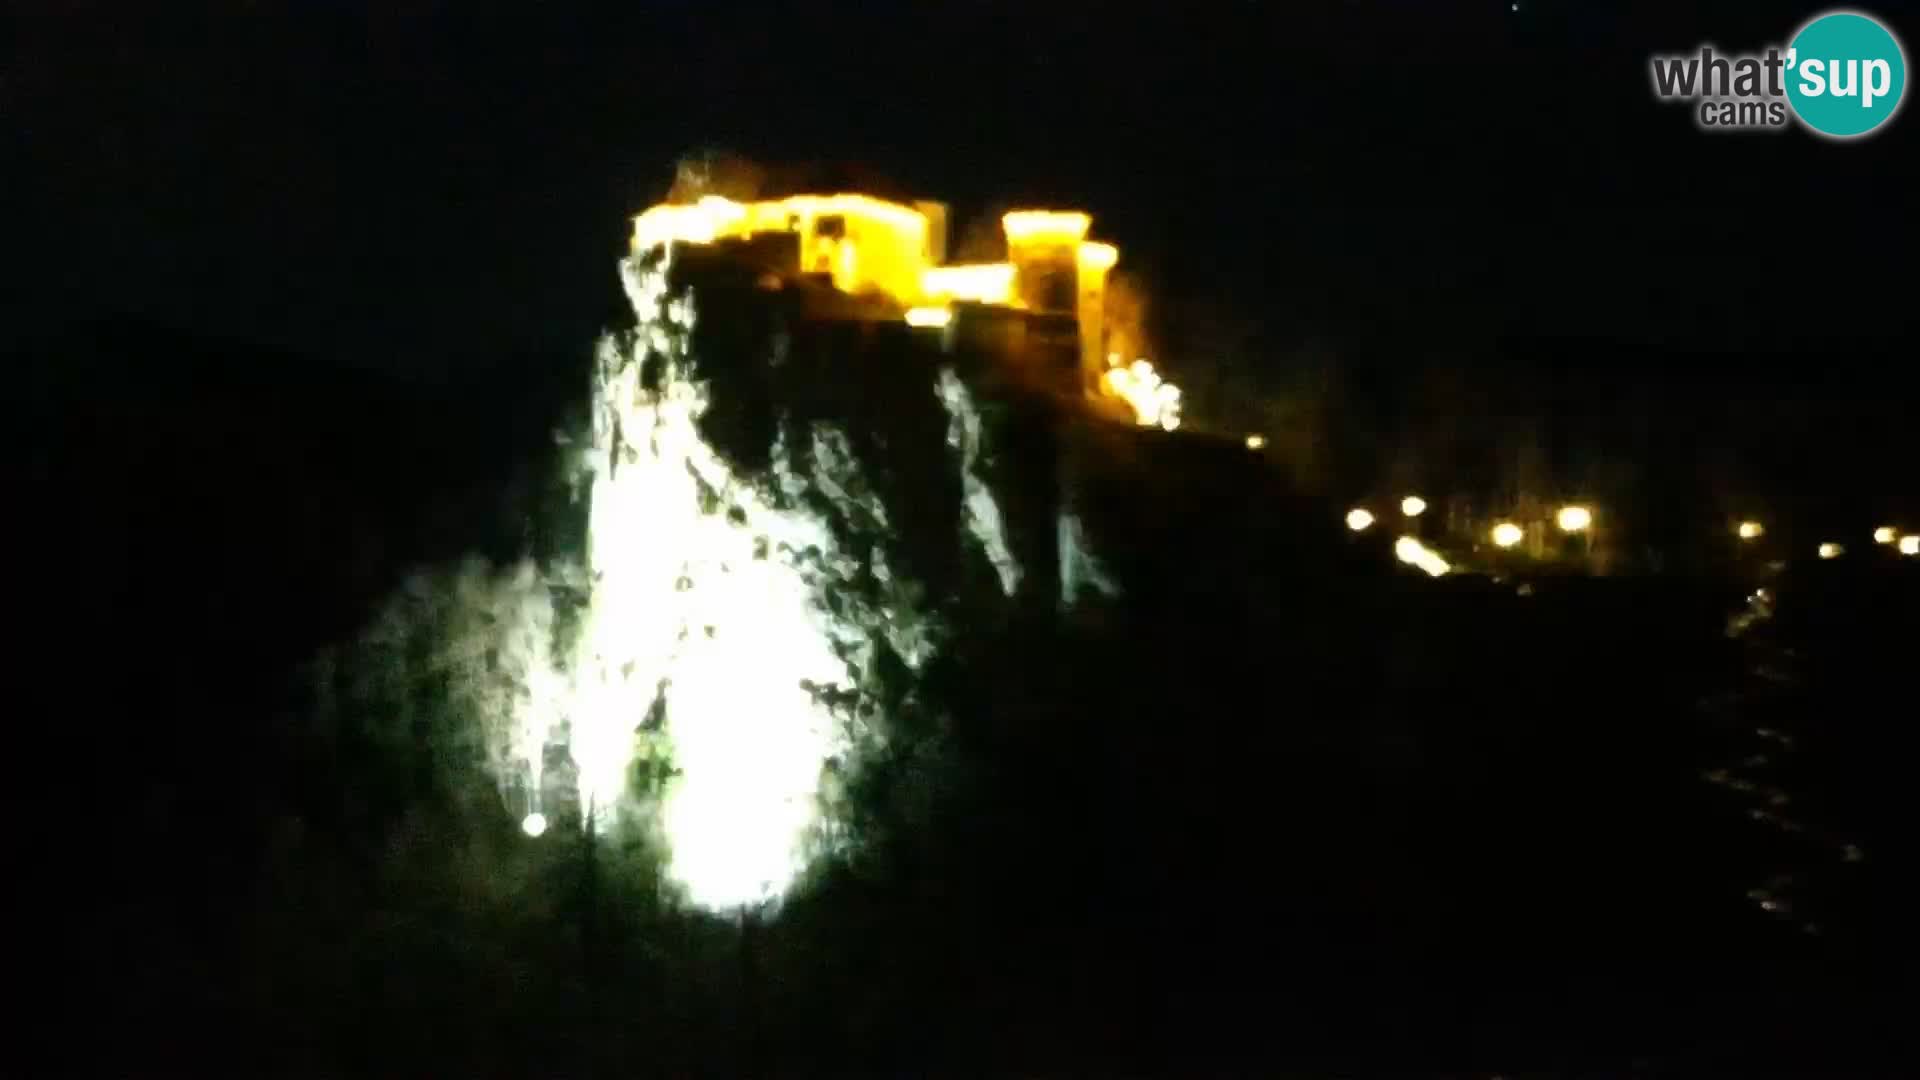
(413, 186)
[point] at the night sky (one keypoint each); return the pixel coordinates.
(412, 188)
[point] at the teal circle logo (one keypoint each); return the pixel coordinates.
(1845, 74)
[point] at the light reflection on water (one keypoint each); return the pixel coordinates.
(1801, 857)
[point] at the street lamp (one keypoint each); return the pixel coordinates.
(1358, 519)
(1910, 545)
(1831, 550)
(1574, 518)
(1413, 506)
(1506, 534)
(1752, 530)
(1414, 553)
(1883, 535)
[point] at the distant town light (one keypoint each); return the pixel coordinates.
(1413, 506)
(1414, 553)
(1358, 519)
(1910, 545)
(1574, 518)
(1883, 535)
(1506, 534)
(1255, 442)
(1831, 550)
(1752, 530)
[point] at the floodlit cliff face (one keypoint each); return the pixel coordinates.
(786, 521)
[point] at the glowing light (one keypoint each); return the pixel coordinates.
(1752, 530)
(1413, 506)
(1910, 545)
(1256, 442)
(982, 283)
(1574, 518)
(1884, 534)
(880, 245)
(667, 224)
(710, 613)
(1414, 553)
(1155, 402)
(704, 611)
(849, 261)
(1507, 534)
(1831, 550)
(1098, 257)
(886, 243)
(1045, 227)
(929, 316)
(1358, 519)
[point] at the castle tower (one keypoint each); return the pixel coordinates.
(1094, 260)
(1058, 271)
(1044, 247)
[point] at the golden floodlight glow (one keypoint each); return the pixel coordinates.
(1883, 535)
(1358, 519)
(899, 232)
(1910, 545)
(849, 262)
(876, 245)
(1413, 506)
(1831, 550)
(982, 283)
(1256, 441)
(929, 316)
(1414, 553)
(1046, 226)
(1095, 256)
(1574, 518)
(1752, 530)
(696, 223)
(1155, 402)
(1506, 534)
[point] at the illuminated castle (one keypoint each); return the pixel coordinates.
(1043, 308)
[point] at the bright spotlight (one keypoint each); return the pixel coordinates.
(1831, 550)
(1413, 506)
(534, 824)
(1414, 553)
(1910, 545)
(1883, 535)
(1752, 530)
(1574, 518)
(1358, 519)
(1506, 534)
